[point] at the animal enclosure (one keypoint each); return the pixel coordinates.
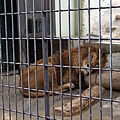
(59, 60)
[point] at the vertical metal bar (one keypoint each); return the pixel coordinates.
(100, 72)
(89, 59)
(51, 40)
(60, 44)
(7, 59)
(80, 90)
(28, 62)
(13, 49)
(111, 97)
(45, 60)
(0, 53)
(20, 51)
(69, 48)
(36, 80)
(2, 87)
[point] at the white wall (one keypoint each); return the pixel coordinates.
(105, 18)
(94, 18)
(94, 14)
(65, 18)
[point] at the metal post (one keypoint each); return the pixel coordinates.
(90, 114)
(111, 96)
(45, 56)
(79, 42)
(100, 72)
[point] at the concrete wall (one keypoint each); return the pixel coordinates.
(65, 18)
(22, 9)
(105, 18)
(94, 19)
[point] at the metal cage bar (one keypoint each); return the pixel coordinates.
(52, 60)
(45, 55)
(79, 43)
(60, 43)
(111, 96)
(100, 72)
(69, 49)
(89, 26)
(7, 59)
(28, 62)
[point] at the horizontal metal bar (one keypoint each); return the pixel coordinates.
(62, 10)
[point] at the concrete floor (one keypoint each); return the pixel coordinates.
(14, 104)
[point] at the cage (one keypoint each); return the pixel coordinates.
(41, 74)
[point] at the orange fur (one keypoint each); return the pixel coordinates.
(84, 62)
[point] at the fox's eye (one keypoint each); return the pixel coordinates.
(91, 57)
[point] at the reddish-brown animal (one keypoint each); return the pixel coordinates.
(30, 83)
